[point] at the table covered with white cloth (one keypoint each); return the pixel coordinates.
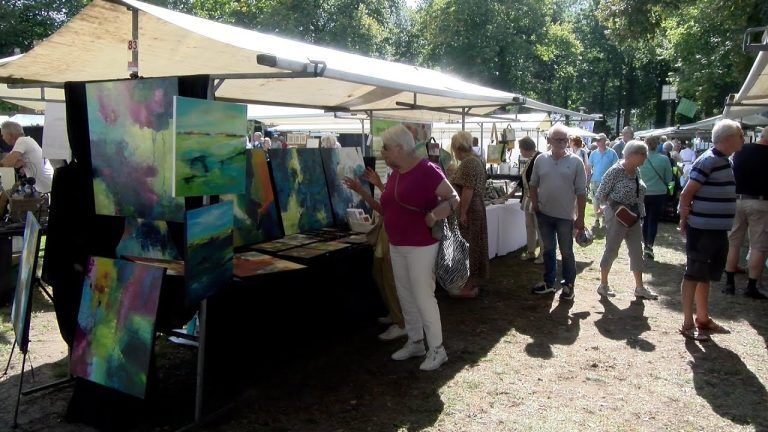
(506, 228)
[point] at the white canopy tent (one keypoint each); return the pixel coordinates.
(753, 96)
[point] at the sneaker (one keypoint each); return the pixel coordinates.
(385, 320)
(410, 349)
(525, 256)
(648, 253)
(435, 358)
(539, 260)
(543, 288)
(567, 293)
(605, 290)
(393, 332)
(644, 293)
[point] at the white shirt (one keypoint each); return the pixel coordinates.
(34, 164)
(687, 155)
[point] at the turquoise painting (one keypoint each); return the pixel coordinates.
(116, 324)
(209, 147)
(208, 266)
(339, 163)
(20, 311)
(302, 194)
(131, 140)
(147, 239)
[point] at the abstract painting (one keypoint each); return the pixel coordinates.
(209, 147)
(274, 246)
(302, 194)
(301, 252)
(256, 217)
(209, 250)
(253, 263)
(130, 132)
(20, 311)
(300, 239)
(339, 163)
(173, 267)
(147, 239)
(116, 324)
(328, 246)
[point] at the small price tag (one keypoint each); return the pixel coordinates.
(133, 45)
(132, 67)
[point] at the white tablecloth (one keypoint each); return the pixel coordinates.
(506, 228)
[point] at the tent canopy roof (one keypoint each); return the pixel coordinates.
(753, 96)
(92, 46)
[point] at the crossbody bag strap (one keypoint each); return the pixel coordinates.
(654, 170)
(397, 181)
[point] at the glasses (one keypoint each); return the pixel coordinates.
(559, 140)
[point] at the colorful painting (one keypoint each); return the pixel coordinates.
(147, 239)
(303, 252)
(116, 324)
(274, 246)
(253, 263)
(328, 246)
(340, 163)
(209, 147)
(302, 194)
(173, 267)
(209, 250)
(256, 217)
(130, 131)
(20, 311)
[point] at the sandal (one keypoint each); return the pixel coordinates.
(711, 327)
(688, 331)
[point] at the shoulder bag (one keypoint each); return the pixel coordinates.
(623, 214)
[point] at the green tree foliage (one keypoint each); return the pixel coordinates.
(24, 22)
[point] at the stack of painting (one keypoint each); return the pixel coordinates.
(339, 163)
(208, 266)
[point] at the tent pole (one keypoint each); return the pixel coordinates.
(463, 119)
(135, 38)
(362, 136)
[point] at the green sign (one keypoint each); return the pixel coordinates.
(687, 107)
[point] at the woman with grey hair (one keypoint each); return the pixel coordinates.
(416, 195)
(328, 140)
(622, 186)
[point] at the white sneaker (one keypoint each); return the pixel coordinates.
(410, 349)
(393, 332)
(385, 320)
(539, 259)
(605, 290)
(435, 358)
(645, 293)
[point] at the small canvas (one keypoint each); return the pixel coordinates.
(302, 194)
(274, 246)
(116, 324)
(339, 163)
(209, 147)
(20, 311)
(328, 246)
(253, 264)
(208, 266)
(256, 213)
(147, 239)
(302, 252)
(173, 267)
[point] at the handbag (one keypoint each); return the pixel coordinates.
(626, 216)
(372, 236)
(452, 262)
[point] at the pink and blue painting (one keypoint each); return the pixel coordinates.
(116, 324)
(209, 147)
(302, 194)
(131, 148)
(208, 266)
(339, 163)
(256, 216)
(147, 239)
(20, 311)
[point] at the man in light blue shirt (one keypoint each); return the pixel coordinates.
(600, 160)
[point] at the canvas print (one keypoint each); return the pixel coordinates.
(209, 250)
(130, 133)
(302, 194)
(253, 263)
(339, 163)
(20, 311)
(302, 252)
(209, 147)
(116, 324)
(328, 246)
(173, 267)
(274, 246)
(300, 239)
(147, 239)
(256, 216)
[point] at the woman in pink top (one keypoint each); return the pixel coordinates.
(417, 194)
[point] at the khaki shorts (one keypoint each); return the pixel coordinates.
(751, 218)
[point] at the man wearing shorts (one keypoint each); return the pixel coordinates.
(707, 209)
(751, 215)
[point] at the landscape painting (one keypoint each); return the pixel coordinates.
(20, 311)
(209, 147)
(253, 263)
(209, 250)
(302, 252)
(256, 216)
(302, 194)
(131, 148)
(116, 324)
(339, 163)
(147, 239)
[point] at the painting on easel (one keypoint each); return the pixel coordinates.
(21, 310)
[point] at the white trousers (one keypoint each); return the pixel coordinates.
(414, 269)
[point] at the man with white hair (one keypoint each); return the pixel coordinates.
(751, 215)
(27, 155)
(707, 209)
(558, 181)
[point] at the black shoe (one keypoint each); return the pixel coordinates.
(755, 294)
(729, 289)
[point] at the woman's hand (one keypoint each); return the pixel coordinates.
(430, 219)
(373, 177)
(353, 184)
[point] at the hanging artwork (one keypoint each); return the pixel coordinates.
(339, 163)
(130, 133)
(209, 147)
(116, 324)
(302, 194)
(209, 250)
(256, 217)
(20, 311)
(147, 239)
(253, 263)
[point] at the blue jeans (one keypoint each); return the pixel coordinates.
(654, 208)
(558, 230)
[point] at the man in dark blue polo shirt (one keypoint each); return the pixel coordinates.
(707, 209)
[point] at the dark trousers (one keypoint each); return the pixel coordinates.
(654, 208)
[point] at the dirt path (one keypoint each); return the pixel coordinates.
(516, 362)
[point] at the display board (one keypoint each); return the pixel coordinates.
(208, 266)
